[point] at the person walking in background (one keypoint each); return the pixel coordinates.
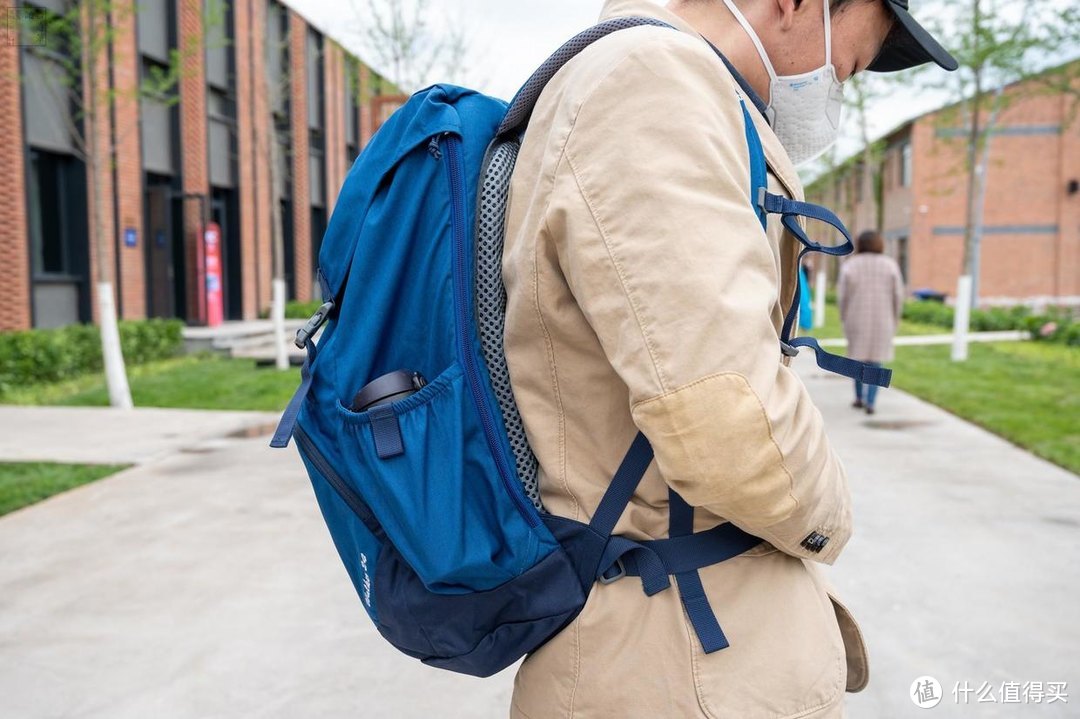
(871, 297)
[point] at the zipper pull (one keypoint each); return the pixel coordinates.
(433, 148)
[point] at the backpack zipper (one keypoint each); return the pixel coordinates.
(433, 148)
(347, 493)
(461, 297)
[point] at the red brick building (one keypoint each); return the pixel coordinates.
(1031, 235)
(251, 73)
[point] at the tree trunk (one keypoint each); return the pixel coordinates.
(981, 173)
(111, 351)
(975, 130)
(278, 287)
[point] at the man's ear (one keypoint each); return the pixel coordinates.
(785, 12)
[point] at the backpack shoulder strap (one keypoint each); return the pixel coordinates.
(759, 177)
(521, 107)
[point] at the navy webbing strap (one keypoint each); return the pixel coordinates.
(676, 555)
(622, 486)
(633, 559)
(305, 339)
(691, 591)
(386, 430)
(790, 212)
(702, 549)
(654, 577)
(867, 374)
(682, 554)
(288, 419)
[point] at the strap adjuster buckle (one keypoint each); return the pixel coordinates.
(788, 350)
(317, 320)
(605, 579)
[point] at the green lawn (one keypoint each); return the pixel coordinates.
(23, 483)
(834, 330)
(1027, 392)
(197, 382)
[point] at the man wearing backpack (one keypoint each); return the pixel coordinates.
(643, 294)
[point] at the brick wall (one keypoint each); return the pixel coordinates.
(367, 125)
(14, 248)
(99, 182)
(301, 187)
(253, 138)
(1031, 242)
(1024, 198)
(334, 123)
(193, 142)
(1067, 256)
(129, 177)
(125, 208)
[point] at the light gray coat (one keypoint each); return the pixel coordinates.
(871, 296)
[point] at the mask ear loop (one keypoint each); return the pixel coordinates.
(828, 36)
(754, 37)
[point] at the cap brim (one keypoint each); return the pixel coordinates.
(910, 45)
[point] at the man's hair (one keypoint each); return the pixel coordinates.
(870, 242)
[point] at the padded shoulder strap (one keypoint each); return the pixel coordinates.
(521, 108)
(759, 170)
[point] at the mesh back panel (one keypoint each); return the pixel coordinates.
(491, 302)
(490, 297)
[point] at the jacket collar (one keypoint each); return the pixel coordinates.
(775, 155)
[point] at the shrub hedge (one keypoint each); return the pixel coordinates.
(301, 310)
(36, 356)
(1056, 325)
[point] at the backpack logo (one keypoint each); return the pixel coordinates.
(366, 580)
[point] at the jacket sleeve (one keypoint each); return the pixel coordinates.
(651, 218)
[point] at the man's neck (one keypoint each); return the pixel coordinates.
(716, 23)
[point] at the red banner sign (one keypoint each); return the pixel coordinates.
(215, 302)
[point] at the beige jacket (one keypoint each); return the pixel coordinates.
(871, 297)
(643, 294)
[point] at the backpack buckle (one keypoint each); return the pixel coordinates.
(604, 578)
(788, 350)
(304, 335)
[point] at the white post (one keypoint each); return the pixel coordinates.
(115, 375)
(962, 319)
(277, 314)
(819, 298)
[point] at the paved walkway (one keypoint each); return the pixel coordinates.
(203, 583)
(93, 435)
(963, 565)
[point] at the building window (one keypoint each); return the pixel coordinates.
(58, 225)
(352, 110)
(315, 81)
(905, 164)
(903, 258)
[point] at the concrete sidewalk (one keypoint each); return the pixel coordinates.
(963, 565)
(203, 583)
(200, 583)
(98, 435)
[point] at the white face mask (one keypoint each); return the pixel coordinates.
(804, 110)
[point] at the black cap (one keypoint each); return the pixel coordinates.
(909, 44)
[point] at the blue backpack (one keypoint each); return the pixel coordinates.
(431, 500)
